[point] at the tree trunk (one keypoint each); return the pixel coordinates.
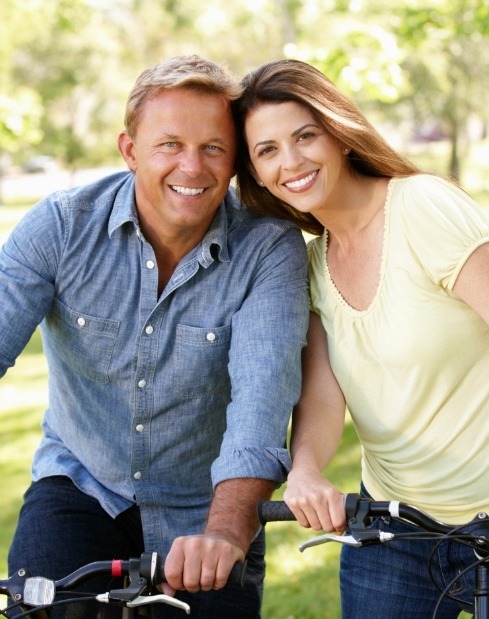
(454, 166)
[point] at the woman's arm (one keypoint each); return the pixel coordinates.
(472, 285)
(317, 426)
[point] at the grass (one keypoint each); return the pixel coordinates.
(23, 397)
(297, 586)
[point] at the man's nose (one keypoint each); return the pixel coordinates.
(192, 162)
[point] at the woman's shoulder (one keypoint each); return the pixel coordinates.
(423, 184)
(428, 192)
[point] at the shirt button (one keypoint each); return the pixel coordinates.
(137, 475)
(142, 383)
(210, 337)
(149, 329)
(150, 264)
(140, 427)
(81, 321)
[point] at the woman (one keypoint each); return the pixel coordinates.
(399, 284)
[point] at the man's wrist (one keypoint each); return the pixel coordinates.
(233, 515)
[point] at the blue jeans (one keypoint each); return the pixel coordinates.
(60, 528)
(392, 581)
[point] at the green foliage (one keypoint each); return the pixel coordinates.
(79, 58)
(454, 89)
(19, 120)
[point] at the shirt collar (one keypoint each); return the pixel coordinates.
(124, 207)
(216, 237)
(124, 210)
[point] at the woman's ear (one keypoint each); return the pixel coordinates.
(254, 174)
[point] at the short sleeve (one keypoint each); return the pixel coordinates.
(315, 259)
(443, 225)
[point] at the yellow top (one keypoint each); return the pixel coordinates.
(414, 366)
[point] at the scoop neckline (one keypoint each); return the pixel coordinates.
(339, 297)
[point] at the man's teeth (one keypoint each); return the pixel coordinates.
(301, 182)
(187, 191)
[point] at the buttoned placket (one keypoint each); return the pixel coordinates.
(150, 319)
(145, 366)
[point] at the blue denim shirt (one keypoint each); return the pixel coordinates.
(148, 395)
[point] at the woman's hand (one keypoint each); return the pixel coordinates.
(315, 502)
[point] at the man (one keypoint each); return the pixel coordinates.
(172, 321)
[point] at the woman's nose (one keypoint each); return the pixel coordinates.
(291, 159)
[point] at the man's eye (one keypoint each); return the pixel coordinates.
(213, 148)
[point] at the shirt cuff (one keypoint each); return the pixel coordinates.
(252, 462)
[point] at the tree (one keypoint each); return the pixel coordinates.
(20, 106)
(448, 66)
(71, 65)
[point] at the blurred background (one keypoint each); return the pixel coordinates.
(419, 69)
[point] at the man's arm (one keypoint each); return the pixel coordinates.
(205, 561)
(269, 331)
(28, 262)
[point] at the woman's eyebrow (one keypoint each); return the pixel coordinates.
(294, 133)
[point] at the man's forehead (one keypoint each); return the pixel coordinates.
(176, 113)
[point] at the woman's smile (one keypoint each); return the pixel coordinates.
(301, 183)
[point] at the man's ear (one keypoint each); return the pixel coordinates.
(126, 146)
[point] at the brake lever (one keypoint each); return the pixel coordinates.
(346, 540)
(143, 600)
(361, 538)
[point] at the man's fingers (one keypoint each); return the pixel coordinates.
(200, 562)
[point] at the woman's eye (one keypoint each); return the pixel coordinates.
(265, 151)
(307, 135)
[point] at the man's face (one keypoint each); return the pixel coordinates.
(183, 159)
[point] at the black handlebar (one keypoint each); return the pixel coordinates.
(360, 512)
(144, 573)
(274, 511)
(149, 565)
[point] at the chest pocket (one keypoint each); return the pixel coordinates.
(86, 343)
(202, 356)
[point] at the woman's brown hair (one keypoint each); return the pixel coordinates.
(293, 80)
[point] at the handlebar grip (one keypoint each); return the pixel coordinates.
(274, 511)
(237, 574)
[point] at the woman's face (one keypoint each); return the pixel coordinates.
(296, 159)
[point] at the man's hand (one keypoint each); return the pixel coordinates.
(204, 562)
(200, 562)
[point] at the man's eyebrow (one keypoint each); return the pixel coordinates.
(175, 137)
(218, 140)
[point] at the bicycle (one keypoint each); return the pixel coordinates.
(35, 595)
(360, 513)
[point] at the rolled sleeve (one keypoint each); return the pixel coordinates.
(254, 462)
